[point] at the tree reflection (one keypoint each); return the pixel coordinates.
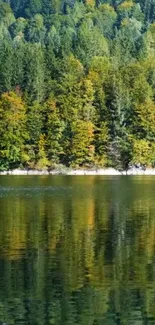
(78, 251)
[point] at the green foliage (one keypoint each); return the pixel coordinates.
(101, 145)
(82, 149)
(13, 121)
(143, 153)
(105, 18)
(90, 42)
(34, 72)
(42, 161)
(35, 129)
(55, 127)
(79, 68)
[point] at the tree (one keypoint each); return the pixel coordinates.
(82, 148)
(90, 42)
(105, 18)
(144, 120)
(36, 30)
(42, 161)
(32, 7)
(6, 14)
(34, 82)
(129, 41)
(18, 60)
(13, 132)
(55, 127)
(101, 145)
(142, 152)
(35, 131)
(6, 67)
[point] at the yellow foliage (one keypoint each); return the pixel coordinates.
(125, 22)
(152, 28)
(150, 39)
(15, 109)
(106, 7)
(91, 3)
(101, 160)
(146, 116)
(25, 157)
(42, 163)
(126, 5)
(99, 70)
(74, 65)
(88, 87)
(142, 152)
(94, 77)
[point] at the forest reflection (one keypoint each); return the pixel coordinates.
(77, 250)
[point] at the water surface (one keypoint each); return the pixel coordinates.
(77, 250)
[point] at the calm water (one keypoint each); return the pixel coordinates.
(77, 250)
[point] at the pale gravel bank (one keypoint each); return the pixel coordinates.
(65, 171)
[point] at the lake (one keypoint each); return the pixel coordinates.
(77, 250)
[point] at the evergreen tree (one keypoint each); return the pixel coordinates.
(84, 73)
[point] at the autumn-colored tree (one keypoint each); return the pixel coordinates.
(74, 64)
(82, 148)
(142, 152)
(101, 145)
(13, 131)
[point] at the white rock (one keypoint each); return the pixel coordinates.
(78, 172)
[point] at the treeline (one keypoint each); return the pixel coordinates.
(77, 83)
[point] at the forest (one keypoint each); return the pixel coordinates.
(77, 84)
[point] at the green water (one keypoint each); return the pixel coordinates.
(77, 250)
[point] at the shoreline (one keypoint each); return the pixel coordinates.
(81, 172)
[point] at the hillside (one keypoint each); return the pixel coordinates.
(77, 83)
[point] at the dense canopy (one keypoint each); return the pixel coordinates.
(77, 83)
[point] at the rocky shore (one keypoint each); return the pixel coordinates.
(68, 171)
